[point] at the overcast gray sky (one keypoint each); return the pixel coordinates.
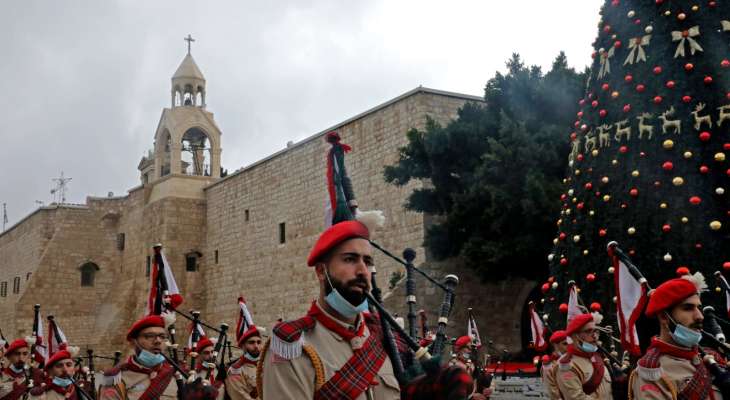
(83, 83)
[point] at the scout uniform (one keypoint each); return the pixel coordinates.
(208, 370)
(669, 371)
(549, 367)
(10, 389)
(241, 380)
(581, 375)
(131, 380)
(51, 391)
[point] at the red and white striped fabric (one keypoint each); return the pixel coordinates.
(573, 307)
(631, 298)
(173, 293)
(245, 320)
(56, 340)
(472, 332)
(201, 334)
(538, 330)
(39, 350)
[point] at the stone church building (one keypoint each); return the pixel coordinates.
(247, 233)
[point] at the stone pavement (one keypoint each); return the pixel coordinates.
(515, 388)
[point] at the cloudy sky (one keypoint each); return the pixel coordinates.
(83, 82)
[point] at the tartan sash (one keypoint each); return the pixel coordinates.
(158, 384)
(353, 378)
(699, 386)
(599, 369)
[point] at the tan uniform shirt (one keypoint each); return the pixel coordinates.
(677, 372)
(295, 379)
(53, 395)
(135, 383)
(570, 382)
(548, 372)
(7, 383)
(241, 382)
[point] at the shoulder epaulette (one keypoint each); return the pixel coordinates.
(112, 376)
(648, 367)
(287, 340)
(564, 362)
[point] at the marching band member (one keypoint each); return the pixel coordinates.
(581, 373)
(13, 379)
(241, 380)
(559, 340)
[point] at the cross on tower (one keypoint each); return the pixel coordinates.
(189, 39)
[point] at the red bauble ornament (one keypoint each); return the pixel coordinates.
(545, 287)
(580, 157)
(573, 136)
(607, 28)
(595, 307)
(657, 70)
(705, 136)
(686, 99)
(580, 114)
(666, 228)
(591, 277)
(725, 63)
(602, 113)
(627, 108)
(689, 67)
(634, 192)
(704, 169)
(707, 80)
(726, 146)
(681, 271)
(726, 265)
(695, 200)
(594, 103)
(562, 236)
(728, 174)
(657, 2)
(623, 149)
(580, 205)
(628, 78)
(640, 88)
(657, 99)
(668, 166)
(588, 186)
(617, 44)
(563, 308)
(698, 246)
(604, 87)
(563, 261)
(563, 197)
(670, 84)
(602, 232)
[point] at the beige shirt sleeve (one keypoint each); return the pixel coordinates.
(570, 385)
(570, 382)
(242, 386)
(548, 379)
(648, 389)
(6, 385)
(135, 384)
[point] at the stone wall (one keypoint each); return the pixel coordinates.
(289, 188)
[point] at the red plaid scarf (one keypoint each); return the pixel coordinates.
(358, 373)
(699, 387)
(158, 384)
(599, 369)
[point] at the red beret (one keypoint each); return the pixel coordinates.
(546, 359)
(669, 294)
(58, 356)
(558, 336)
(250, 332)
(202, 344)
(15, 345)
(578, 322)
(146, 322)
(335, 235)
(462, 342)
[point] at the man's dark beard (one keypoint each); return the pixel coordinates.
(253, 354)
(345, 289)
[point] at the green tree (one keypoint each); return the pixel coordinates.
(495, 172)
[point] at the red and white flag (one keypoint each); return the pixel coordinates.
(727, 293)
(244, 318)
(573, 306)
(538, 330)
(201, 334)
(472, 331)
(56, 340)
(39, 349)
(631, 298)
(158, 282)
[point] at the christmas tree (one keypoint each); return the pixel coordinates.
(649, 163)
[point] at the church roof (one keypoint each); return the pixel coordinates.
(188, 69)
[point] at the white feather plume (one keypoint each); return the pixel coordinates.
(373, 219)
(597, 317)
(214, 340)
(698, 280)
(30, 340)
(73, 350)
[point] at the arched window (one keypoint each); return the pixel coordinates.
(88, 271)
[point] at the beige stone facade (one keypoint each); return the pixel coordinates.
(232, 226)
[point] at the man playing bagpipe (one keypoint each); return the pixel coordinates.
(60, 368)
(146, 374)
(559, 341)
(582, 373)
(462, 354)
(241, 380)
(673, 366)
(14, 379)
(206, 369)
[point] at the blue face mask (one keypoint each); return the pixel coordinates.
(62, 382)
(587, 347)
(340, 304)
(16, 369)
(684, 336)
(149, 360)
(250, 357)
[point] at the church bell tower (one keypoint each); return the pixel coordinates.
(187, 146)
